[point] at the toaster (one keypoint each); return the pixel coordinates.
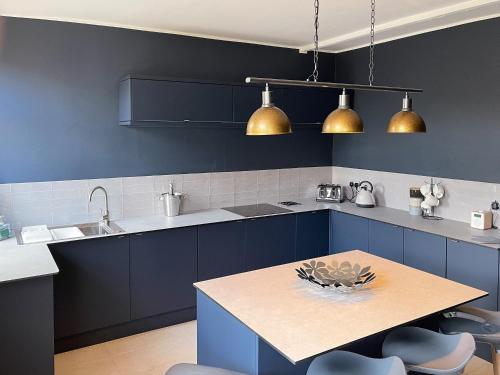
(330, 193)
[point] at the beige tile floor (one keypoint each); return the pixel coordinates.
(152, 353)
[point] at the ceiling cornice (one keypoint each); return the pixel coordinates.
(442, 18)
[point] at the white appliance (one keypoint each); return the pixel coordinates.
(481, 219)
(364, 196)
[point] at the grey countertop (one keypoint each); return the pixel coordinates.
(19, 262)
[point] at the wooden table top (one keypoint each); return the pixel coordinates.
(301, 320)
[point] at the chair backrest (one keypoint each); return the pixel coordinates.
(347, 363)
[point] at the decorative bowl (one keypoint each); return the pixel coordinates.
(343, 277)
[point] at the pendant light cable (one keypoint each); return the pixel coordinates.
(371, 63)
(315, 74)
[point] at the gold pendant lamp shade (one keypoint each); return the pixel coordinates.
(406, 121)
(268, 119)
(343, 120)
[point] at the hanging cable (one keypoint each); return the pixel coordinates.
(314, 75)
(371, 63)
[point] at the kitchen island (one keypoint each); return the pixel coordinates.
(269, 321)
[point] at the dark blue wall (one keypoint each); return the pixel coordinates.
(459, 70)
(59, 104)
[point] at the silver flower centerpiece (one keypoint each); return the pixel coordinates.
(343, 277)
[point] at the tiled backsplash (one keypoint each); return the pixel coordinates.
(66, 202)
(392, 190)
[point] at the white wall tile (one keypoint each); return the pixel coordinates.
(221, 200)
(392, 190)
(269, 179)
(222, 183)
(246, 181)
(243, 198)
(31, 187)
(66, 202)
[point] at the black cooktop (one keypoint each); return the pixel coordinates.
(253, 210)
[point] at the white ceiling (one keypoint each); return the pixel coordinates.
(344, 24)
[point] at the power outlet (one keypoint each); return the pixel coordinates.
(495, 205)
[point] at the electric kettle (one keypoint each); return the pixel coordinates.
(364, 196)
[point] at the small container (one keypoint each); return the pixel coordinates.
(171, 203)
(5, 231)
(416, 200)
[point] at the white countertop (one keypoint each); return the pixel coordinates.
(25, 261)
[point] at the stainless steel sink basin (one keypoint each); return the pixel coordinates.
(98, 229)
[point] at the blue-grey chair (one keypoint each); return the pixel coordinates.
(192, 369)
(483, 325)
(430, 352)
(340, 362)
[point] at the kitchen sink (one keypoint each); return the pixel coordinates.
(68, 232)
(98, 229)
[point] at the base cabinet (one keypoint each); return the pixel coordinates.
(386, 240)
(476, 266)
(312, 234)
(349, 232)
(26, 327)
(163, 267)
(270, 241)
(221, 249)
(91, 290)
(425, 251)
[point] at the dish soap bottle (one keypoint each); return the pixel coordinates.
(4, 229)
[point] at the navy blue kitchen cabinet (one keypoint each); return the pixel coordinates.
(308, 106)
(349, 232)
(163, 268)
(26, 326)
(425, 251)
(386, 240)
(221, 249)
(312, 234)
(91, 290)
(270, 241)
(247, 99)
(152, 102)
(476, 266)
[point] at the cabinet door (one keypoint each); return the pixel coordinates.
(425, 251)
(349, 232)
(386, 240)
(307, 106)
(270, 241)
(175, 101)
(312, 234)
(162, 271)
(221, 249)
(91, 290)
(476, 266)
(247, 99)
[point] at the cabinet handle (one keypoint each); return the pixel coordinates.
(410, 229)
(453, 240)
(121, 236)
(139, 234)
(395, 226)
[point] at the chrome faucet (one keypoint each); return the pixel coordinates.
(105, 212)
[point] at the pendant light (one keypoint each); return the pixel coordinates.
(406, 121)
(343, 119)
(268, 119)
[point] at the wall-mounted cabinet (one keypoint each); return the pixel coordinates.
(146, 102)
(153, 102)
